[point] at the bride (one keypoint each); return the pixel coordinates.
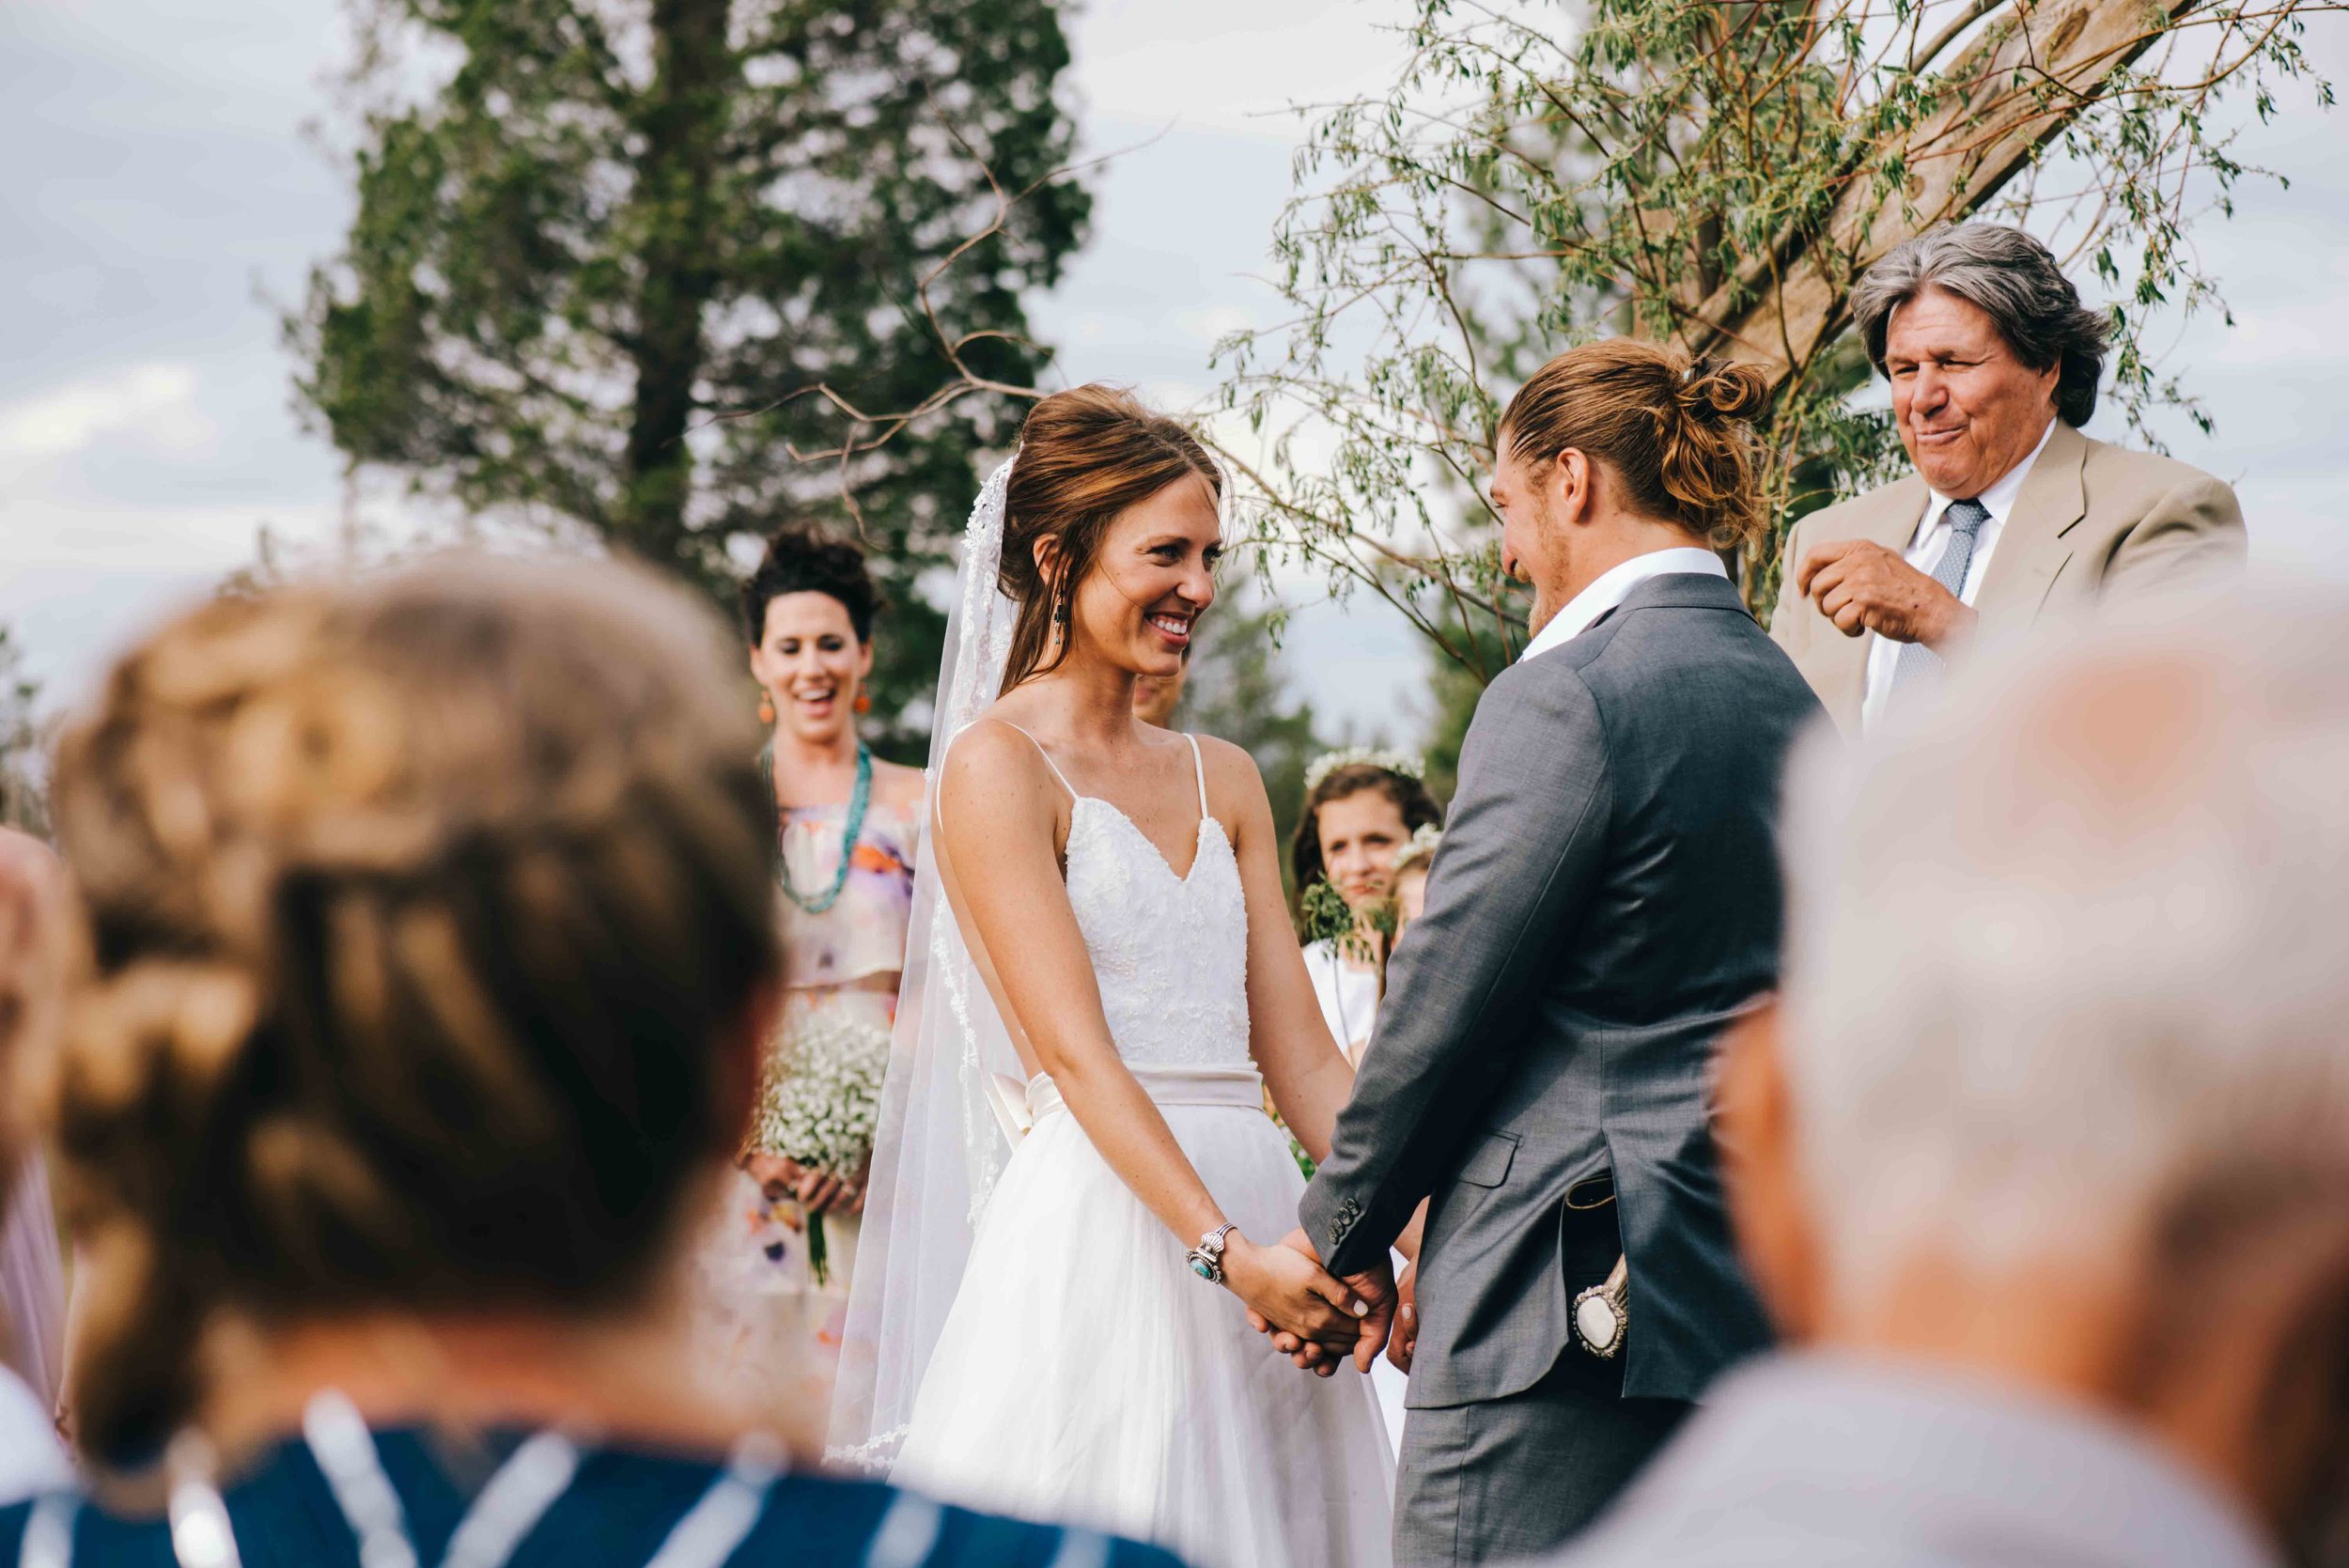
(1074, 1174)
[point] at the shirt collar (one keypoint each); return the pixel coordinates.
(1613, 587)
(1998, 499)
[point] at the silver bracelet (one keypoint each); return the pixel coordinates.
(1207, 1259)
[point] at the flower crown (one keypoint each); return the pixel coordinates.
(1422, 845)
(1409, 765)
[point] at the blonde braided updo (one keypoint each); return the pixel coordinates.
(422, 914)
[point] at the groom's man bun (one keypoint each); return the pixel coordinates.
(1676, 432)
(1085, 455)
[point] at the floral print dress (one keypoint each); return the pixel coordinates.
(770, 1329)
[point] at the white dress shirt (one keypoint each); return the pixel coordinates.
(1926, 548)
(1613, 587)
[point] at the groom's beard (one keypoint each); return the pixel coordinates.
(1551, 568)
(1543, 613)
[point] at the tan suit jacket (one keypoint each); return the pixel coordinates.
(2092, 520)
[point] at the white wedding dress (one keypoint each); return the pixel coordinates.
(1083, 1373)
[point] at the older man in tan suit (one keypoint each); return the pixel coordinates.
(2012, 513)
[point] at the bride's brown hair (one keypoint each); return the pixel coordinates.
(1085, 455)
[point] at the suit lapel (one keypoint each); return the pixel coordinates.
(1836, 665)
(2031, 547)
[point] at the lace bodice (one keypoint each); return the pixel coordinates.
(1169, 952)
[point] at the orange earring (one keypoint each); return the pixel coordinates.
(766, 707)
(864, 701)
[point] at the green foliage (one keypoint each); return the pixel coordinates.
(673, 271)
(1238, 691)
(1323, 915)
(24, 772)
(1715, 176)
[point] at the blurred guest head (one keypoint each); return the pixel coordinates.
(1361, 807)
(2059, 1098)
(807, 613)
(1157, 697)
(428, 940)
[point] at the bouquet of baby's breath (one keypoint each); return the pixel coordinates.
(820, 1109)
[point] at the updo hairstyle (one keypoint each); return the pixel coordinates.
(1676, 433)
(419, 911)
(804, 558)
(1085, 455)
(1408, 793)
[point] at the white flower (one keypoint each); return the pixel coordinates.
(821, 1107)
(1422, 846)
(1410, 765)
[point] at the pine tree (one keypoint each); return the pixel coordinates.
(633, 267)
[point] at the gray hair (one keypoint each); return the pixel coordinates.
(2015, 279)
(2071, 955)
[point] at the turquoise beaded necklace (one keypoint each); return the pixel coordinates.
(859, 798)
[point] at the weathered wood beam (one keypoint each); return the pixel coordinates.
(2036, 66)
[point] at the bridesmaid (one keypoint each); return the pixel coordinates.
(847, 825)
(1367, 815)
(1361, 809)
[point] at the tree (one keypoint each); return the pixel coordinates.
(24, 776)
(1238, 691)
(1717, 176)
(662, 273)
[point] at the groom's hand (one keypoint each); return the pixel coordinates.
(1405, 1342)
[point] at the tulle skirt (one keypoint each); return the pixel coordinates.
(1086, 1375)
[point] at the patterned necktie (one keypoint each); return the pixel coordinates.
(1913, 671)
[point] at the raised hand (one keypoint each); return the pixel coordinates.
(1863, 587)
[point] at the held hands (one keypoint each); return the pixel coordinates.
(1370, 1299)
(1862, 586)
(817, 1191)
(1286, 1289)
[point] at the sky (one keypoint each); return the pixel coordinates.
(164, 201)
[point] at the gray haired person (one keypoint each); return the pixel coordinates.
(2044, 1156)
(2011, 512)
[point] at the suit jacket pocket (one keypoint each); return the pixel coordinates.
(1488, 1166)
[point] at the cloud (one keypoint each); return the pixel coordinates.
(156, 401)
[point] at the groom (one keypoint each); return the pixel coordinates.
(1604, 901)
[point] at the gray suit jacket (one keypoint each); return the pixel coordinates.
(1604, 901)
(2092, 521)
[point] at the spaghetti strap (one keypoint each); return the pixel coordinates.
(1073, 793)
(1199, 767)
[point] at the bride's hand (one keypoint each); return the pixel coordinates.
(1294, 1293)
